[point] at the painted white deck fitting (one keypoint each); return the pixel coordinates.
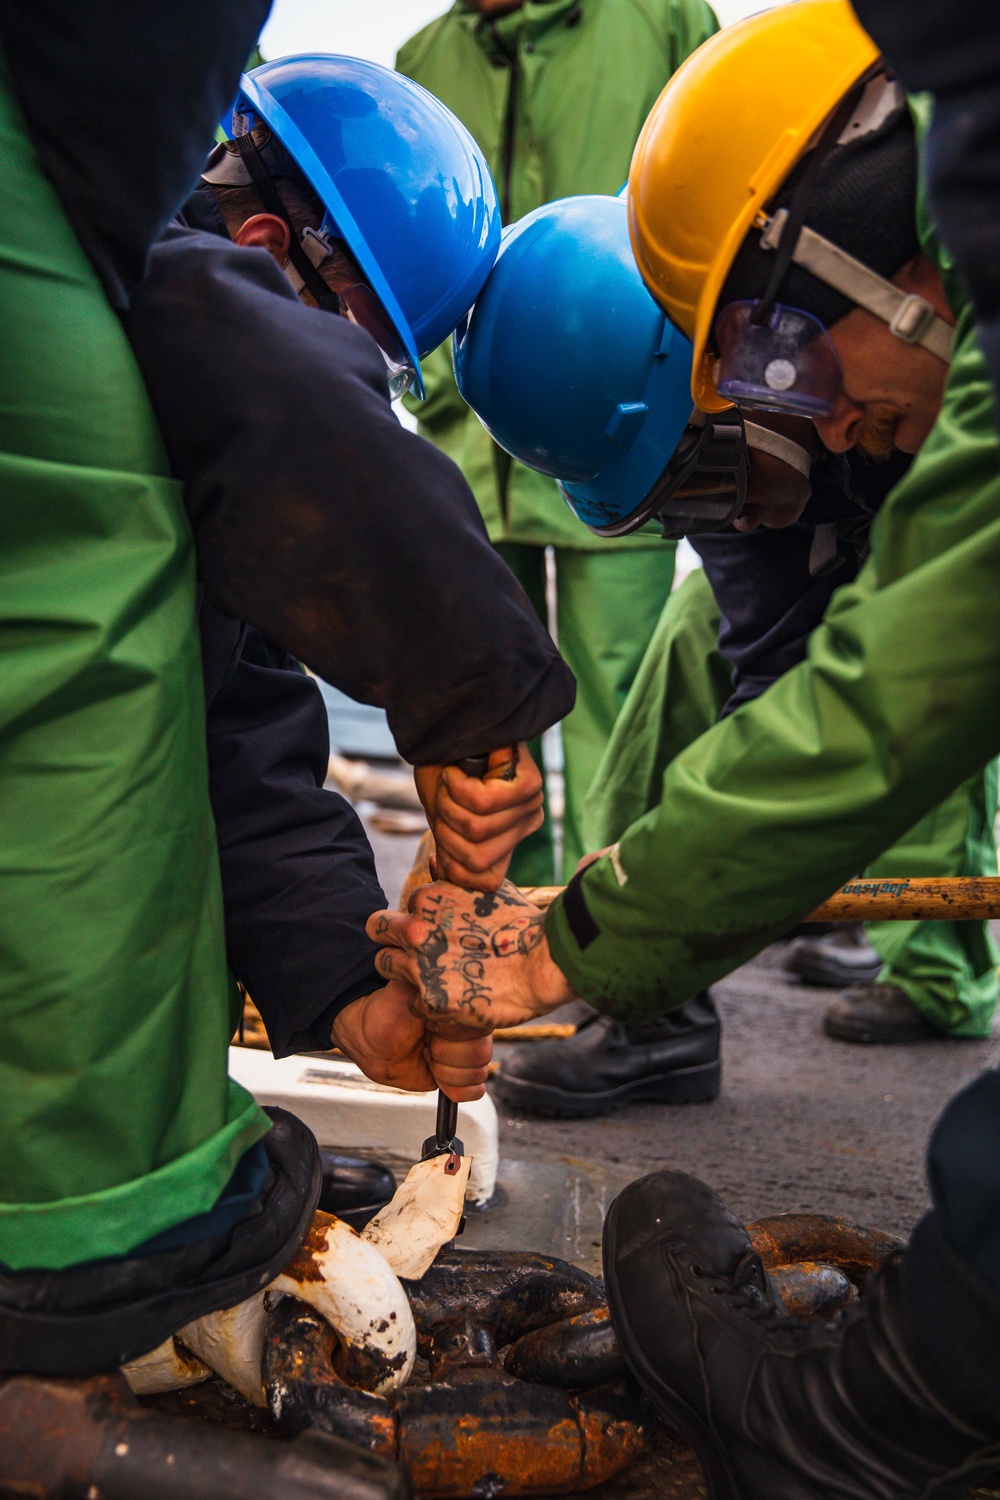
(344, 1109)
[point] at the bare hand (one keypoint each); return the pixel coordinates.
(385, 1034)
(480, 960)
(477, 823)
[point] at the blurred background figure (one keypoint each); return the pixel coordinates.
(555, 93)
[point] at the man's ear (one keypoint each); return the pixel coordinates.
(265, 232)
(921, 277)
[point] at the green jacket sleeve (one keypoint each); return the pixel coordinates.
(771, 810)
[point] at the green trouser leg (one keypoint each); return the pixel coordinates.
(533, 859)
(608, 605)
(678, 693)
(948, 969)
(116, 1115)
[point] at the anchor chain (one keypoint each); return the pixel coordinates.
(818, 1263)
(523, 1390)
(557, 1414)
(526, 1388)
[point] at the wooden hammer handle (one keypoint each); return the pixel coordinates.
(892, 899)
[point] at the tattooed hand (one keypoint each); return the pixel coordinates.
(479, 959)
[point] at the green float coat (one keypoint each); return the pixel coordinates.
(768, 812)
(116, 1115)
(948, 969)
(556, 109)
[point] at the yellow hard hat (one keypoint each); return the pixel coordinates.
(718, 144)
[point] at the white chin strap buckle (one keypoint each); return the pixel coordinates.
(910, 318)
(317, 245)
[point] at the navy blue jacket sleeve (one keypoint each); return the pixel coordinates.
(122, 101)
(324, 523)
(773, 586)
(298, 875)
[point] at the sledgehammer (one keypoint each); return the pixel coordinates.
(960, 898)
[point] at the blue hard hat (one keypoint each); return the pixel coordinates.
(569, 362)
(574, 370)
(404, 184)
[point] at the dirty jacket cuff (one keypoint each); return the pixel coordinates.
(610, 935)
(587, 954)
(316, 1036)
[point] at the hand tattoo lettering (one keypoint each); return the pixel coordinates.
(456, 958)
(431, 952)
(474, 943)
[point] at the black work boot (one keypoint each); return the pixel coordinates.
(841, 957)
(607, 1064)
(91, 1318)
(877, 1013)
(778, 1409)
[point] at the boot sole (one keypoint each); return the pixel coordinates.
(832, 979)
(858, 1031)
(673, 1408)
(698, 1085)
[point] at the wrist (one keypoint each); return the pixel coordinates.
(549, 985)
(347, 1024)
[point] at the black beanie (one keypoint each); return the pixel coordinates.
(864, 200)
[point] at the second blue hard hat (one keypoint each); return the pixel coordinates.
(402, 181)
(574, 370)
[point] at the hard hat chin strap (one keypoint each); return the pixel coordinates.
(910, 318)
(301, 261)
(766, 440)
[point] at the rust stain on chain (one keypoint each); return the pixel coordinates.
(476, 1428)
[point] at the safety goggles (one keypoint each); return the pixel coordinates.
(704, 487)
(360, 306)
(781, 358)
(357, 302)
(784, 362)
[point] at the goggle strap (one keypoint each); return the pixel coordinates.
(909, 317)
(271, 199)
(766, 440)
(795, 214)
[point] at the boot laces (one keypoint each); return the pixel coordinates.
(743, 1289)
